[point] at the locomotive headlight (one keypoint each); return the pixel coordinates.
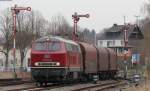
(58, 64)
(36, 64)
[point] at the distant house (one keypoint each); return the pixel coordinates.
(113, 37)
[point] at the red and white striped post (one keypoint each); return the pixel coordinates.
(125, 47)
(125, 54)
(15, 10)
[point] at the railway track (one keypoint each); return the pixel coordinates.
(101, 87)
(35, 88)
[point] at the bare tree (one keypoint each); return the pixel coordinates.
(146, 25)
(29, 27)
(38, 23)
(58, 25)
(6, 28)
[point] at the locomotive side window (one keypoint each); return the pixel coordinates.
(68, 47)
(54, 46)
(75, 48)
(39, 46)
(71, 47)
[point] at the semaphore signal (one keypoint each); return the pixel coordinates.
(76, 18)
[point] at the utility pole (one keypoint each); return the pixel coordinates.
(125, 47)
(137, 25)
(15, 10)
(76, 18)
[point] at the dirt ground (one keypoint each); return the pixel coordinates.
(145, 86)
(10, 75)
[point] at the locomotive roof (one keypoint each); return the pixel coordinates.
(55, 38)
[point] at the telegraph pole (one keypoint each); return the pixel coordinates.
(125, 47)
(15, 10)
(76, 18)
(137, 25)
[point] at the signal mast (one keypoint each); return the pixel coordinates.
(76, 18)
(15, 10)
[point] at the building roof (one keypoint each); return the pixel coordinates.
(117, 32)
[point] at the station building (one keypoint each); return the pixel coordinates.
(113, 37)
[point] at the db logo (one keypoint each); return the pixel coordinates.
(47, 56)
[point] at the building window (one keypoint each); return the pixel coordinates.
(100, 43)
(113, 42)
(122, 42)
(110, 43)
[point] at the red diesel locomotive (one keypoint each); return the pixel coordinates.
(55, 59)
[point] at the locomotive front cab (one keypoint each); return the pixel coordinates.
(47, 54)
(48, 59)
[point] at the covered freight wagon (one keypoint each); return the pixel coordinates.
(89, 54)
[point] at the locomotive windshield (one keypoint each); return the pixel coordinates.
(40, 46)
(50, 46)
(54, 46)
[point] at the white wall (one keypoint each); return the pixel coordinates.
(11, 58)
(114, 43)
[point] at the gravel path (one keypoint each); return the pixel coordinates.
(145, 86)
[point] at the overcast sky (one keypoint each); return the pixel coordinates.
(103, 13)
